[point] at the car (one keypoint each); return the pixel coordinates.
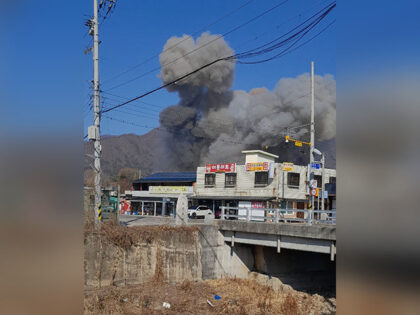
(200, 212)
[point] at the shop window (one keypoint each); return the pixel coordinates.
(318, 178)
(261, 178)
(209, 179)
(332, 180)
(230, 180)
(293, 180)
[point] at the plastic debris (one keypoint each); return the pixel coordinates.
(166, 305)
(125, 299)
(217, 297)
(209, 303)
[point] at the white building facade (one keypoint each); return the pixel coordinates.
(259, 180)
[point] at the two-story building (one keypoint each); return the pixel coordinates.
(258, 183)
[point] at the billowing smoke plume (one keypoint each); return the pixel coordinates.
(213, 123)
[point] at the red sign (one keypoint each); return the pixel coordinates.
(258, 204)
(220, 168)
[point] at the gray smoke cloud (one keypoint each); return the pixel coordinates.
(212, 123)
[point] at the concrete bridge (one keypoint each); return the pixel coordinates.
(317, 238)
(311, 238)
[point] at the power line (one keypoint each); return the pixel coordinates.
(191, 36)
(143, 102)
(189, 134)
(288, 49)
(176, 132)
(229, 124)
(202, 46)
(178, 43)
(235, 57)
(293, 39)
(285, 22)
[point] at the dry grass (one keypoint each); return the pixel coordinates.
(125, 237)
(238, 297)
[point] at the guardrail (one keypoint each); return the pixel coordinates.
(275, 215)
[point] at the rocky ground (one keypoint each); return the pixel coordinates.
(238, 296)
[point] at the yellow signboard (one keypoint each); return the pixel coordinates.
(288, 167)
(298, 143)
(259, 166)
(168, 189)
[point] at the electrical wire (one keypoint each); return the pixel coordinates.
(180, 42)
(202, 46)
(178, 133)
(316, 20)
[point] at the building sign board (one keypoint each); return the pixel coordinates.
(313, 183)
(169, 189)
(258, 166)
(288, 167)
(316, 166)
(258, 204)
(221, 168)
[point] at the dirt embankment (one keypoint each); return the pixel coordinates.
(238, 296)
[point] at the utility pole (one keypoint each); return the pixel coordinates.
(311, 156)
(118, 204)
(312, 129)
(323, 181)
(97, 116)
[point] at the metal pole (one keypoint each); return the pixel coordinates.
(323, 180)
(318, 200)
(118, 204)
(282, 193)
(311, 156)
(97, 114)
(312, 129)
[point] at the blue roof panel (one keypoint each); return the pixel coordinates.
(169, 177)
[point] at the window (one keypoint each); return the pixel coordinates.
(209, 179)
(230, 180)
(332, 180)
(318, 178)
(261, 178)
(293, 180)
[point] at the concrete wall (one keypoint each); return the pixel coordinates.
(174, 257)
(170, 256)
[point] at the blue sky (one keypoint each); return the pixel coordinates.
(47, 73)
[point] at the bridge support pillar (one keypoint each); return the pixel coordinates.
(259, 259)
(332, 251)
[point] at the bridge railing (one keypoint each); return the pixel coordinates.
(276, 215)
